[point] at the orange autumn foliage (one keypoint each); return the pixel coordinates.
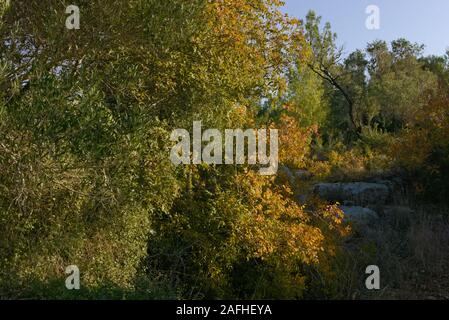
(294, 141)
(428, 133)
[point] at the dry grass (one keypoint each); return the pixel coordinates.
(412, 252)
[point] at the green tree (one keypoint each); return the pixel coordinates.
(326, 62)
(399, 85)
(85, 121)
(306, 96)
(439, 65)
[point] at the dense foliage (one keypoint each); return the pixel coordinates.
(85, 122)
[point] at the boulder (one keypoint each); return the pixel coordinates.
(359, 214)
(359, 193)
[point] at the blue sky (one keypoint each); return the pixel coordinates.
(422, 21)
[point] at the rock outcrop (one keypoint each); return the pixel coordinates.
(359, 214)
(356, 193)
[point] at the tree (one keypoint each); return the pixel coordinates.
(85, 122)
(399, 85)
(306, 97)
(326, 61)
(439, 65)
